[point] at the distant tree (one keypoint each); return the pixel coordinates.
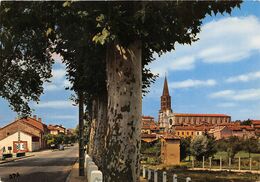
(246, 122)
(203, 146)
(233, 146)
(59, 139)
(251, 145)
(185, 147)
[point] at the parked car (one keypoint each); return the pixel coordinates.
(61, 147)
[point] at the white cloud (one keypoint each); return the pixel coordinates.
(192, 83)
(238, 95)
(244, 77)
(57, 58)
(227, 104)
(58, 80)
(55, 104)
(73, 117)
(226, 40)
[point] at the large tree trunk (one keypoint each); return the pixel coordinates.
(124, 75)
(81, 129)
(93, 126)
(100, 131)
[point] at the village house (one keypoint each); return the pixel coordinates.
(170, 150)
(25, 134)
(220, 132)
(56, 129)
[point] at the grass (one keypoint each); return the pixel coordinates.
(205, 176)
(241, 154)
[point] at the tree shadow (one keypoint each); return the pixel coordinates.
(57, 176)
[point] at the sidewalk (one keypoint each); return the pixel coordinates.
(74, 174)
(16, 158)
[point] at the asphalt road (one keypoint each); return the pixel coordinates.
(45, 166)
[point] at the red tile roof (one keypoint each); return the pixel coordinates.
(256, 122)
(201, 115)
(34, 123)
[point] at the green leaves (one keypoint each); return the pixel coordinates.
(102, 37)
(66, 4)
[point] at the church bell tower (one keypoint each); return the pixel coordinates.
(165, 98)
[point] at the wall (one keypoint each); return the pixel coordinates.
(170, 151)
(18, 126)
(8, 141)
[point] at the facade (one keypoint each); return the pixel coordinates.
(198, 119)
(26, 133)
(220, 132)
(170, 150)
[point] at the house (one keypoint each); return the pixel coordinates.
(170, 150)
(149, 126)
(220, 132)
(24, 134)
(256, 125)
(56, 129)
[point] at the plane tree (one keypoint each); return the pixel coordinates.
(129, 33)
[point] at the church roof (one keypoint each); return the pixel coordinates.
(165, 88)
(205, 115)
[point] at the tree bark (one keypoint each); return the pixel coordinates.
(100, 132)
(93, 127)
(81, 130)
(124, 85)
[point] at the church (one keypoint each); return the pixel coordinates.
(168, 119)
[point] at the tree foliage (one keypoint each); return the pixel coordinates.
(31, 31)
(185, 145)
(203, 146)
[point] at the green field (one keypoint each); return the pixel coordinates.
(241, 154)
(206, 176)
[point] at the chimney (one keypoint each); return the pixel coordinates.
(35, 117)
(40, 119)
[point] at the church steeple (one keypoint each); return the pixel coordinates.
(165, 98)
(165, 88)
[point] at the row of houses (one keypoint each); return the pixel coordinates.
(150, 129)
(27, 134)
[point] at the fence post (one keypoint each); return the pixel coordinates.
(220, 162)
(210, 162)
(192, 161)
(174, 178)
(188, 179)
(239, 167)
(229, 163)
(164, 176)
(250, 164)
(155, 176)
(149, 174)
(143, 172)
(203, 162)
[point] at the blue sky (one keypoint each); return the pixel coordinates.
(220, 73)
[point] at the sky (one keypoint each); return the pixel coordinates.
(220, 73)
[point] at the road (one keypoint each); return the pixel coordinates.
(45, 166)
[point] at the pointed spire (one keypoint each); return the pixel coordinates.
(165, 88)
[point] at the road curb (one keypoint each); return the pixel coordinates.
(16, 159)
(68, 179)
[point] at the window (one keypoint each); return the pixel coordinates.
(188, 133)
(191, 133)
(182, 133)
(170, 121)
(178, 133)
